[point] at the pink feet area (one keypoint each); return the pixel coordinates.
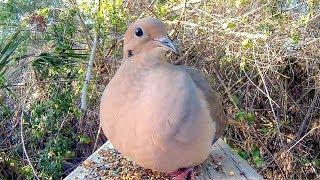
(183, 174)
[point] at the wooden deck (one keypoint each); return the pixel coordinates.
(221, 164)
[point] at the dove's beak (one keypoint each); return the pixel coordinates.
(168, 44)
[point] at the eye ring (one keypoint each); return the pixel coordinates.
(138, 32)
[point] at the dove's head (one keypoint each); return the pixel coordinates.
(147, 36)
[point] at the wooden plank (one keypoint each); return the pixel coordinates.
(82, 171)
(221, 164)
(224, 164)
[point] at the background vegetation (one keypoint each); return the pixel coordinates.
(263, 56)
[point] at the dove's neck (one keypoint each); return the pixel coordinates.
(147, 60)
(135, 69)
(156, 55)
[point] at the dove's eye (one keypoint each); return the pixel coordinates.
(139, 32)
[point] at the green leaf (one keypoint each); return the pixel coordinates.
(229, 25)
(240, 115)
(247, 43)
(295, 37)
(239, 3)
(84, 139)
(27, 170)
(250, 117)
(69, 154)
(9, 48)
(243, 63)
(316, 163)
(44, 12)
(256, 157)
(264, 130)
(243, 154)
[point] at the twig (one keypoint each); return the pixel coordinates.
(182, 5)
(88, 74)
(226, 90)
(259, 88)
(186, 54)
(267, 92)
(144, 11)
(266, 149)
(252, 12)
(234, 33)
(303, 137)
(310, 42)
(149, 7)
(288, 9)
(82, 22)
(97, 137)
(308, 116)
(209, 15)
(22, 138)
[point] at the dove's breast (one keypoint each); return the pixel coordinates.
(162, 122)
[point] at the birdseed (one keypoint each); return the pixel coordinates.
(114, 166)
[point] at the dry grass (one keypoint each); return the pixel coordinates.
(264, 62)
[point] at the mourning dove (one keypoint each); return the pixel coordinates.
(162, 116)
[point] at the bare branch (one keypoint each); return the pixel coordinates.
(22, 137)
(303, 137)
(88, 74)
